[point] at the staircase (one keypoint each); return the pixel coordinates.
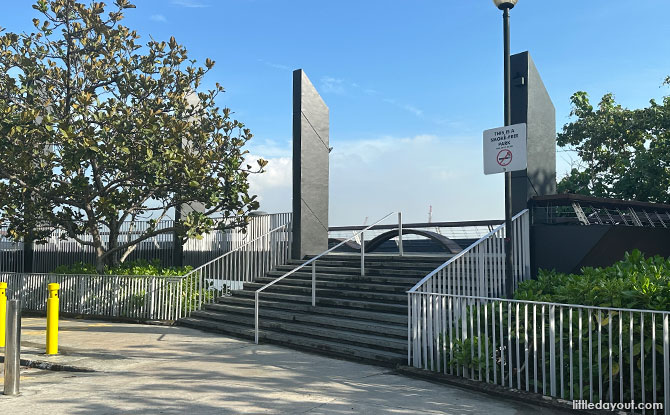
(356, 317)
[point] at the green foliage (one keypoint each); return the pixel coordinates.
(138, 267)
(190, 288)
(522, 327)
(624, 153)
(98, 128)
(191, 293)
(635, 282)
(465, 353)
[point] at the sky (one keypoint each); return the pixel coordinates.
(410, 85)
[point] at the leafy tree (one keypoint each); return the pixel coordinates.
(623, 153)
(98, 129)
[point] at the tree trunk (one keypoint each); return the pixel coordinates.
(99, 260)
(100, 256)
(113, 258)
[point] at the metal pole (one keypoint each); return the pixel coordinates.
(13, 348)
(400, 234)
(362, 253)
(314, 284)
(509, 266)
(256, 317)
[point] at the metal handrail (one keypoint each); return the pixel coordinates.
(460, 254)
(514, 301)
(313, 262)
(200, 270)
(234, 250)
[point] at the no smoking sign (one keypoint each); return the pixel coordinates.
(505, 149)
(504, 157)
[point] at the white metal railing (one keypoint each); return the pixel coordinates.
(127, 296)
(480, 268)
(312, 261)
(218, 277)
(63, 251)
(154, 297)
(567, 351)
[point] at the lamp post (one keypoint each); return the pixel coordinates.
(505, 6)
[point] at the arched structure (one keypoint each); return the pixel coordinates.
(352, 245)
(449, 245)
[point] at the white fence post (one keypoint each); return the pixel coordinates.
(552, 349)
(152, 291)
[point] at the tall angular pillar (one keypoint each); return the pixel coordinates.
(310, 168)
(532, 105)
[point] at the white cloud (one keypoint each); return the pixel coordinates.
(370, 178)
(274, 65)
(374, 177)
(189, 3)
(330, 85)
(406, 107)
(274, 186)
(158, 18)
(270, 148)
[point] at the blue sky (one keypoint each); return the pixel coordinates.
(410, 85)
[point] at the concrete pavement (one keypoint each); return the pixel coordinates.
(159, 369)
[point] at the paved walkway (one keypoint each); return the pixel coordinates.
(152, 369)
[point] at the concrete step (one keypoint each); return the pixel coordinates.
(427, 259)
(323, 292)
(227, 311)
(391, 284)
(355, 317)
(356, 270)
(336, 335)
(334, 276)
(352, 313)
(353, 285)
(327, 347)
(372, 263)
(325, 301)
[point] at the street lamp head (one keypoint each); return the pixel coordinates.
(505, 4)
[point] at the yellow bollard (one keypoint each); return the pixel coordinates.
(52, 319)
(3, 312)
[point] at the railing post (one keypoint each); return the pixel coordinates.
(314, 284)
(362, 254)
(400, 248)
(256, 317)
(13, 348)
(152, 289)
(409, 329)
(552, 349)
(666, 363)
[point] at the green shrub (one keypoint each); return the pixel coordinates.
(137, 267)
(635, 282)
(190, 292)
